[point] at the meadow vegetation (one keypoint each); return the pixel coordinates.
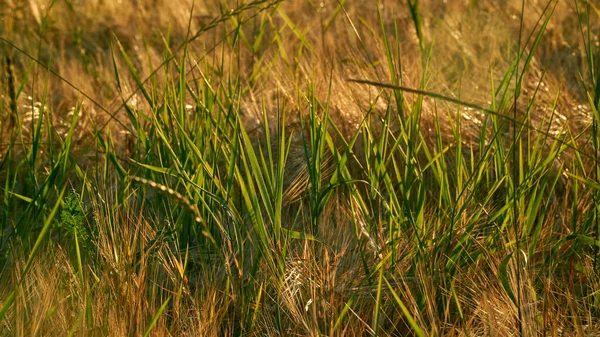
(299, 168)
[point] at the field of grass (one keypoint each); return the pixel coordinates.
(299, 168)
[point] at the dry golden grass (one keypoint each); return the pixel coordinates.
(283, 53)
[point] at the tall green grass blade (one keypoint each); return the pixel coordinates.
(504, 278)
(38, 243)
(156, 317)
(411, 321)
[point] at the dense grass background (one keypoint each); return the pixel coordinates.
(282, 168)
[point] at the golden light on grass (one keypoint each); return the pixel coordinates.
(298, 168)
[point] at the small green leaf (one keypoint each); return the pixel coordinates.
(156, 317)
(504, 277)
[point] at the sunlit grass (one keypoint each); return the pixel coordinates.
(280, 168)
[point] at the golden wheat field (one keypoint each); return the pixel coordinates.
(299, 168)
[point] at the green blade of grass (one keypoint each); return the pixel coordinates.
(156, 317)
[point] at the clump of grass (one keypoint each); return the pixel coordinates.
(282, 168)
